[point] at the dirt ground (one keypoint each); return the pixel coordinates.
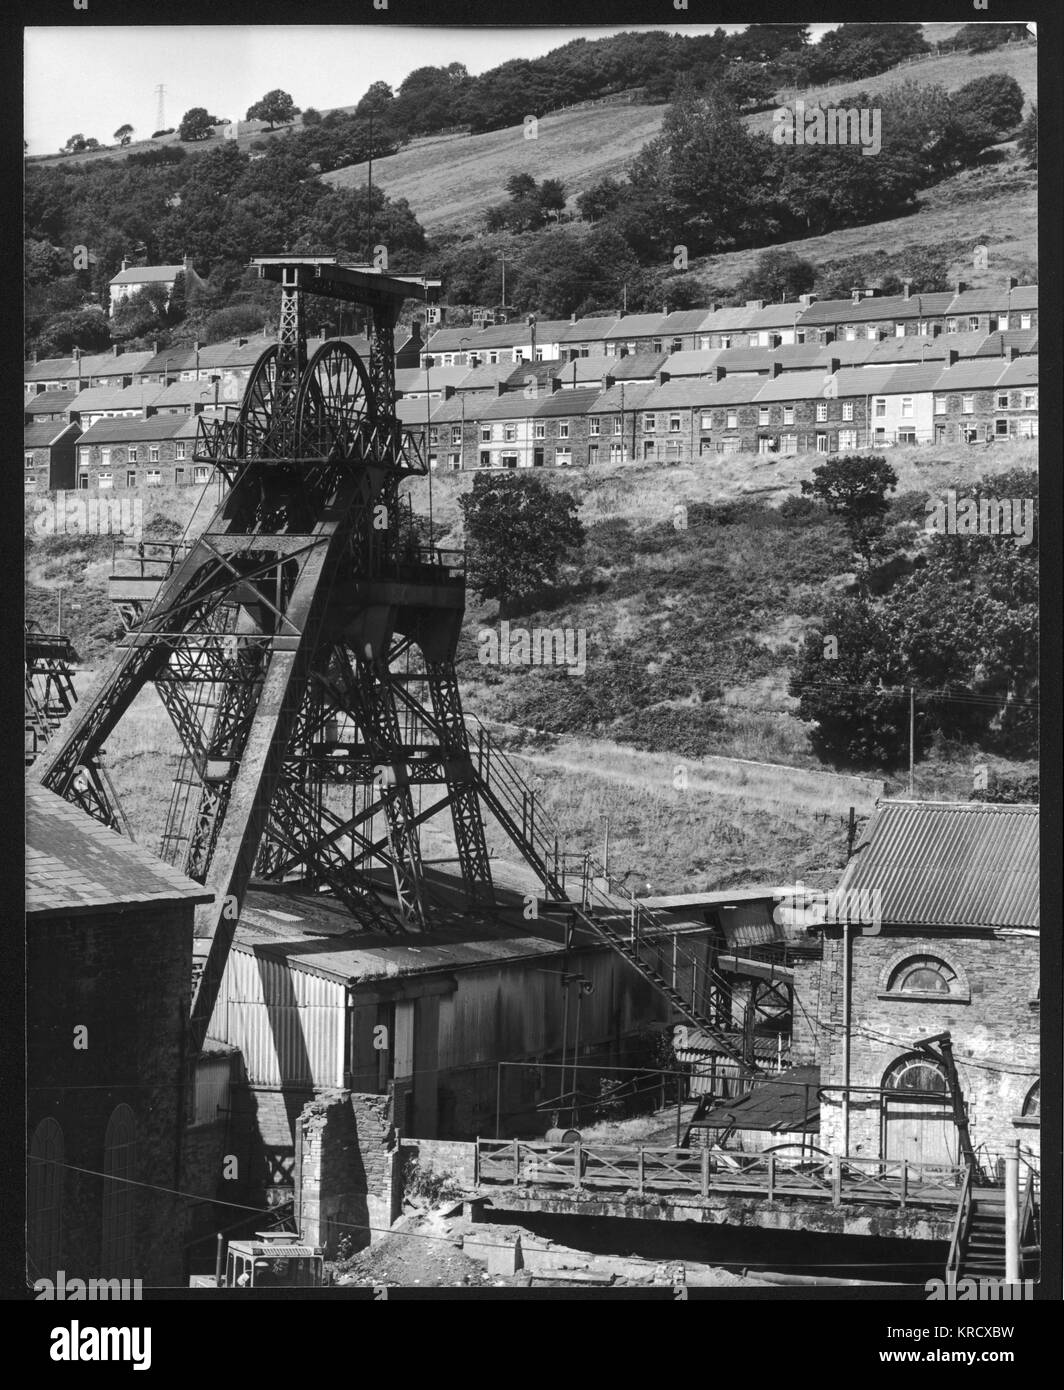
(441, 1248)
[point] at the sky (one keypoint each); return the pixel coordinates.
(90, 81)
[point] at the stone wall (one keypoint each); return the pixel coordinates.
(990, 1014)
(346, 1181)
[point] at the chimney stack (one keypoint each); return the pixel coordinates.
(1012, 282)
(555, 385)
(806, 299)
(951, 357)
(834, 365)
(959, 287)
(116, 349)
(755, 303)
(448, 392)
(855, 294)
(907, 289)
(1014, 352)
(777, 368)
(125, 263)
(722, 372)
(663, 377)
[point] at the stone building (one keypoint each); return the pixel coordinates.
(951, 944)
(48, 449)
(109, 974)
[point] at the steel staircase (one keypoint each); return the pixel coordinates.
(631, 930)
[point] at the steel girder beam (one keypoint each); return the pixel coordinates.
(461, 782)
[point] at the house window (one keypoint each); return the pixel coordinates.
(456, 434)
(563, 457)
(201, 475)
(907, 436)
(1032, 1106)
(1029, 429)
(951, 325)
(1025, 320)
(1003, 323)
(725, 340)
(655, 345)
(940, 405)
(881, 407)
(179, 449)
(493, 359)
(83, 480)
(539, 431)
(618, 425)
(850, 334)
(105, 458)
(593, 425)
(434, 437)
(733, 419)
(153, 453)
(906, 407)
(563, 429)
(821, 410)
(788, 414)
(899, 330)
(105, 480)
(674, 424)
(509, 460)
(788, 443)
(650, 423)
(153, 477)
(509, 433)
(1002, 400)
(762, 415)
(29, 460)
(1030, 400)
(847, 439)
(454, 462)
(179, 476)
(485, 434)
(707, 420)
(1001, 429)
(872, 333)
(973, 323)
(616, 453)
(821, 443)
(847, 410)
(485, 458)
(131, 477)
(967, 405)
(45, 1199)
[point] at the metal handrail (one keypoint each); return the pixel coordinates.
(960, 1230)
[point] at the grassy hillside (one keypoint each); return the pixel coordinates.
(451, 181)
(690, 639)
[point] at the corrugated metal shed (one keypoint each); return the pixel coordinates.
(946, 864)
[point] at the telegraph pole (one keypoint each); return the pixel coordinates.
(912, 735)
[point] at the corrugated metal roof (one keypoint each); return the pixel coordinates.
(783, 1104)
(73, 863)
(947, 864)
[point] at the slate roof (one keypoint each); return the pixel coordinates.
(95, 398)
(637, 326)
(595, 328)
(702, 391)
(630, 396)
(973, 374)
(1022, 372)
(48, 402)
(792, 386)
(994, 300)
(410, 379)
(43, 433)
(949, 864)
(776, 316)
(563, 403)
(51, 369)
(147, 275)
(876, 306)
(693, 362)
(871, 381)
(75, 864)
(485, 377)
(130, 431)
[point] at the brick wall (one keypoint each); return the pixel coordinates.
(995, 1031)
(347, 1169)
(125, 979)
(171, 466)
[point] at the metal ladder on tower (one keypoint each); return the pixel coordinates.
(633, 932)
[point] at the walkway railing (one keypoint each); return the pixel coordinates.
(643, 1169)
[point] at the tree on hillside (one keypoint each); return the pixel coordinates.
(778, 276)
(519, 532)
(197, 124)
(123, 134)
(996, 99)
(855, 488)
(74, 145)
(311, 116)
(600, 199)
(276, 108)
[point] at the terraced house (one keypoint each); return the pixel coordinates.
(156, 452)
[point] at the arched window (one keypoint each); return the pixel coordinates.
(1033, 1104)
(119, 1194)
(915, 1073)
(44, 1200)
(922, 975)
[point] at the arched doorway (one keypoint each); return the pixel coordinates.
(918, 1127)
